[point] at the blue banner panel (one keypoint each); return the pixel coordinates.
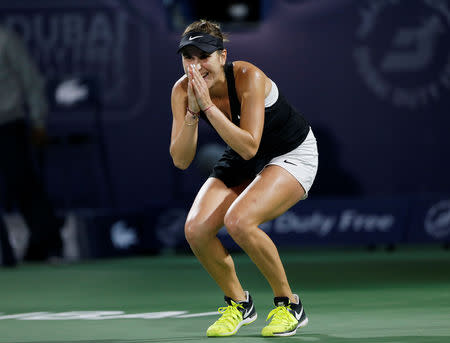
(338, 222)
(430, 220)
(352, 221)
(372, 77)
(347, 221)
(115, 234)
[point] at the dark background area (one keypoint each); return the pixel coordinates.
(372, 77)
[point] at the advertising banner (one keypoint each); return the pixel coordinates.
(346, 221)
(430, 220)
(111, 234)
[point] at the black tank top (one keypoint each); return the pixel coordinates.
(284, 128)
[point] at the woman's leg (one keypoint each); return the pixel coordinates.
(205, 219)
(271, 194)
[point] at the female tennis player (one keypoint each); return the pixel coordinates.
(269, 165)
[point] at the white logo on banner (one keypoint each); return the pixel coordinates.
(70, 92)
(316, 222)
(321, 224)
(408, 69)
(123, 236)
(351, 220)
(170, 225)
(437, 220)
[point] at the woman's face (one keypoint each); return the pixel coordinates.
(209, 66)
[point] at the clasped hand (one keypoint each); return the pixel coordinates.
(198, 92)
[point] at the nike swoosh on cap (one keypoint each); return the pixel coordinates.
(192, 38)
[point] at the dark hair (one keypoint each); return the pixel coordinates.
(208, 27)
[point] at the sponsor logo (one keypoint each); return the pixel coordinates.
(288, 162)
(404, 57)
(123, 236)
(317, 222)
(70, 92)
(349, 220)
(247, 312)
(192, 38)
(298, 315)
(437, 220)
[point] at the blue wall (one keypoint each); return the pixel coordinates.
(373, 78)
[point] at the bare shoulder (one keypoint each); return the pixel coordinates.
(246, 70)
(248, 76)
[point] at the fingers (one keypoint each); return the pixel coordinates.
(191, 92)
(197, 81)
(189, 74)
(193, 77)
(192, 70)
(198, 90)
(197, 75)
(199, 87)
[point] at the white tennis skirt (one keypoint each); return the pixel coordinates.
(302, 162)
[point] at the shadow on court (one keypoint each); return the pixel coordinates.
(384, 339)
(320, 338)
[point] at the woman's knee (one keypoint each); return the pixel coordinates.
(195, 232)
(239, 225)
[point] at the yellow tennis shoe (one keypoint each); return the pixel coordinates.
(286, 318)
(235, 315)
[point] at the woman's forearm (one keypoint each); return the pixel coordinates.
(183, 147)
(238, 139)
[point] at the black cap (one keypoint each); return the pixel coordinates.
(201, 40)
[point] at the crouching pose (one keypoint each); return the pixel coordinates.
(268, 166)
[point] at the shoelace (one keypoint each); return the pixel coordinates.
(230, 314)
(280, 315)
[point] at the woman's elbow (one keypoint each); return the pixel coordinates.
(180, 165)
(249, 153)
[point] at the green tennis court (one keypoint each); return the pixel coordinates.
(350, 296)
